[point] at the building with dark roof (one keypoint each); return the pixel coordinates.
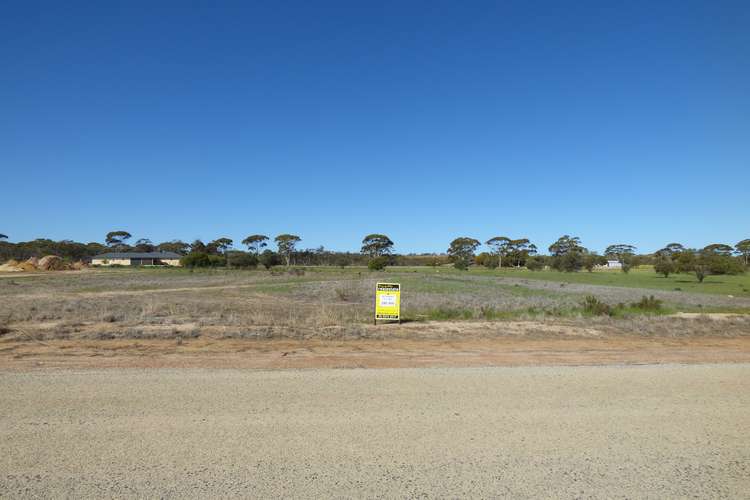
(136, 259)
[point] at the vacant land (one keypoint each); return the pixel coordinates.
(560, 432)
(151, 313)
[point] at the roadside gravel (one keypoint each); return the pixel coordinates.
(530, 432)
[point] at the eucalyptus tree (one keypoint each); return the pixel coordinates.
(287, 244)
(255, 242)
(743, 248)
(219, 246)
(500, 246)
(461, 251)
(116, 239)
(376, 245)
(567, 253)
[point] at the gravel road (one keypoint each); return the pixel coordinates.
(533, 432)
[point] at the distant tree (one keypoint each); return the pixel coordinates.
(175, 246)
(219, 246)
(461, 252)
(198, 247)
(743, 248)
(672, 249)
(589, 261)
(664, 264)
(712, 260)
(620, 252)
(255, 242)
(117, 238)
(519, 251)
(719, 249)
(567, 254)
(286, 244)
(488, 260)
(376, 245)
(623, 253)
(500, 246)
(685, 260)
(144, 245)
(3, 237)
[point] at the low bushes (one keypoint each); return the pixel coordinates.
(595, 307)
(378, 263)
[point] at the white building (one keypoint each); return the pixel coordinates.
(614, 264)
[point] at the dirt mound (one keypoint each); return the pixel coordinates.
(51, 263)
(10, 266)
(46, 263)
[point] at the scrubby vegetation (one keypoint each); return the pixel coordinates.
(567, 254)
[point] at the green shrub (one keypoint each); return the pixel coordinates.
(596, 307)
(269, 259)
(201, 259)
(648, 304)
(534, 264)
(461, 264)
(377, 263)
(196, 259)
(243, 260)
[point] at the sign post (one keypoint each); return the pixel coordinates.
(387, 302)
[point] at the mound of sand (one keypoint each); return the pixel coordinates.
(10, 267)
(51, 263)
(46, 263)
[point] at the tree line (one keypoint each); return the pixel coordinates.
(566, 254)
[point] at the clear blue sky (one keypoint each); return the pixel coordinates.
(613, 121)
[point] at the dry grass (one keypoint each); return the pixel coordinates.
(176, 304)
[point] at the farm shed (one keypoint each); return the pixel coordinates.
(136, 259)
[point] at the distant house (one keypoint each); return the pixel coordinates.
(614, 264)
(137, 259)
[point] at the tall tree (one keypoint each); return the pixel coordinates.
(3, 237)
(287, 244)
(519, 250)
(116, 239)
(567, 253)
(743, 248)
(500, 246)
(144, 245)
(719, 249)
(672, 250)
(197, 247)
(255, 242)
(461, 251)
(376, 245)
(175, 246)
(219, 246)
(620, 251)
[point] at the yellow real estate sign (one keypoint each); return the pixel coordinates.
(388, 301)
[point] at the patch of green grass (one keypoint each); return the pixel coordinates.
(642, 277)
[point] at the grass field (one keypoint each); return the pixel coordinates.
(643, 277)
(147, 303)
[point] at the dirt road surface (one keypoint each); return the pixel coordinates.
(524, 432)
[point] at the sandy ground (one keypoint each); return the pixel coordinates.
(369, 353)
(529, 432)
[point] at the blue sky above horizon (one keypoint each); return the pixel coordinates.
(617, 123)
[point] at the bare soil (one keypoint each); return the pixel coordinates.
(442, 344)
